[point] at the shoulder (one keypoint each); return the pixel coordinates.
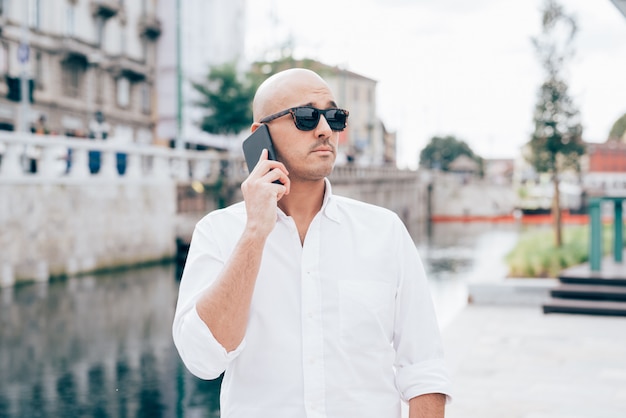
(362, 213)
(358, 207)
(235, 213)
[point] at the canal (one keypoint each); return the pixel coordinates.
(100, 346)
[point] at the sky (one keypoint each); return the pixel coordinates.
(453, 67)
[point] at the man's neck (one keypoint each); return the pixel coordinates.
(304, 199)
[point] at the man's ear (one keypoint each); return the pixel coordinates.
(255, 126)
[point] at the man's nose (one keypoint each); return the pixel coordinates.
(323, 128)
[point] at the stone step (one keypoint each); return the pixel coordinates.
(586, 307)
(589, 292)
(590, 280)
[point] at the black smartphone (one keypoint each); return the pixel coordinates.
(254, 144)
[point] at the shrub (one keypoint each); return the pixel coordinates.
(535, 254)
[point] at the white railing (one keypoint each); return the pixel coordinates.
(49, 158)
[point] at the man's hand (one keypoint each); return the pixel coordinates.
(261, 194)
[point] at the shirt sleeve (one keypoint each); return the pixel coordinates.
(201, 353)
(420, 363)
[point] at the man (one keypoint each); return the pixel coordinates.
(314, 305)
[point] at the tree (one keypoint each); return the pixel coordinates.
(227, 98)
(441, 151)
(618, 129)
(556, 142)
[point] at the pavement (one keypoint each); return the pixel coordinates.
(513, 361)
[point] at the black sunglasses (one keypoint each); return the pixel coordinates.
(306, 118)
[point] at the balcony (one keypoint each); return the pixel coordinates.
(149, 26)
(123, 66)
(105, 8)
(71, 48)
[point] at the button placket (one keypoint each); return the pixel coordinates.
(312, 327)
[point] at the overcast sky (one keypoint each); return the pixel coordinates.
(453, 67)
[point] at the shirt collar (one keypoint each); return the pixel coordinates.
(329, 205)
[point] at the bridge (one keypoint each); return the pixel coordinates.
(71, 206)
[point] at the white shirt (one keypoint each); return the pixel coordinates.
(342, 326)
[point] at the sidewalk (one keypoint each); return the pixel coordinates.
(515, 362)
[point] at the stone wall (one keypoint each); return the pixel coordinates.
(63, 229)
(455, 195)
(66, 228)
(405, 194)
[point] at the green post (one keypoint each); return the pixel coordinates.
(618, 239)
(179, 79)
(595, 250)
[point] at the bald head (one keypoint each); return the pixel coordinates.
(284, 90)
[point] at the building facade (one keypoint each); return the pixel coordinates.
(79, 57)
(364, 140)
(212, 33)
(605, 173)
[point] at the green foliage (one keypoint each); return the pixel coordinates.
(263, 69)
(556, 142)
(618, 129)
(536, 255)
(227, 98)
(441, 151)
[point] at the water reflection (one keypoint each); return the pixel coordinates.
(97, 346)
(100, 346)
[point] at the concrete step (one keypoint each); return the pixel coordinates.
(586, 307)
(589, 292)
(591, 280)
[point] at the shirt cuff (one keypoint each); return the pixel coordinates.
(422, 378)
(202, 354)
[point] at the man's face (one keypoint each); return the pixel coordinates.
(308, 155)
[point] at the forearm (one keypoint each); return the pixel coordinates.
(431, 405)
(225, 306)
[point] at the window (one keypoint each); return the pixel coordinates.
(4, 62)
(99, 30)
(34, 14)
(123, 40)
(38, 70)
(72, 77)
(123, 92)
(145, 98)
(70, 20)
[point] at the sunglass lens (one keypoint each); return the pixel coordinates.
(306, 118)
(336, 119)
